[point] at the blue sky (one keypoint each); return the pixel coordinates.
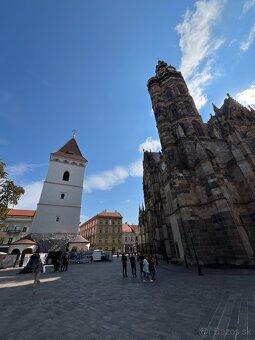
(84, 65)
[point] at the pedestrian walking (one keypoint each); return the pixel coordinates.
(152, 268)
(37, 268)
(133, 265)
(140, 259)
(63, 262)
(124, 265)
(146, 270)
(67, 261)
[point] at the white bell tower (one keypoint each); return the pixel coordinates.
(59, 207)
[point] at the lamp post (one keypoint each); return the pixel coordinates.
(193, 246)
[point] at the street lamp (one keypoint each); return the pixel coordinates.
(193, 246)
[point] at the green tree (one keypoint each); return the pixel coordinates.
(9, 192)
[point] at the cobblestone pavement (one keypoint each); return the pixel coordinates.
(94, 301)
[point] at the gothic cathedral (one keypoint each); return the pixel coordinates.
(201, 187)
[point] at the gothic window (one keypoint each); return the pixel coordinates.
(181, 89)
(211, 157)
(62, 196)
(168, 94)
(174, 111)
(188, 107)
(198, 128)
(66, 176)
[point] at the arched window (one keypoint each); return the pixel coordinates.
(211, 157)
(66, 176)
(174, 111)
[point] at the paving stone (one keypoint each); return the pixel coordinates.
(94, 301)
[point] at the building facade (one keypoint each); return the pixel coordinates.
(16, 225)
(130, 238)
(201, 187)
(58, 210)
(104, 231)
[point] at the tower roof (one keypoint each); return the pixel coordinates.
(70, 150)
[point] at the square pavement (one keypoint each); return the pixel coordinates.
(94, 301)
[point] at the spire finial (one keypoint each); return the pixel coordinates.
(74, 133)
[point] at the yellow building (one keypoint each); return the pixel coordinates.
(104, 231)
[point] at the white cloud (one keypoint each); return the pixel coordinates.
(248, 5)
(136, 168)
(198, 46)
(19, 169)
(31, 197)
(106, 180)
(127, 201)
(247, 97)
(150, 145)
(245, 45)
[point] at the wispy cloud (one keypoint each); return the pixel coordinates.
(150, 145)
(248, 5)
(22, 168)
(247, 96)
(198, 46)
(245, 45)
(106, 180)
(31, 197)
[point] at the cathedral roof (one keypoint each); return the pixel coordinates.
(70, 150)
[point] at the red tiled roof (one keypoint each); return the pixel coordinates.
(24, 241)
(79, 239)
(129, 228)
(70, 150)
(21, 213)
(109, 214)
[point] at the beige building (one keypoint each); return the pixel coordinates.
(130, 238)
(104, 231)
(16, 225)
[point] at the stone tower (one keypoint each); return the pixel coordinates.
(203, 182)
(58, 210)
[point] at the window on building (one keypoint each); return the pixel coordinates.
(24, 229)
(57, 219)
(66, 176)
(62, 196)
(174, 111)
(100, 230)
(10, 240)
(125, 239)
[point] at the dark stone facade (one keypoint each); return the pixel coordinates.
(203, 182)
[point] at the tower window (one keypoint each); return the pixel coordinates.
(57, 219)
(174, 111)
(62, 196)
(66, 176)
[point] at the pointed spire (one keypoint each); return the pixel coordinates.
(215, 108)
(70, 150)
